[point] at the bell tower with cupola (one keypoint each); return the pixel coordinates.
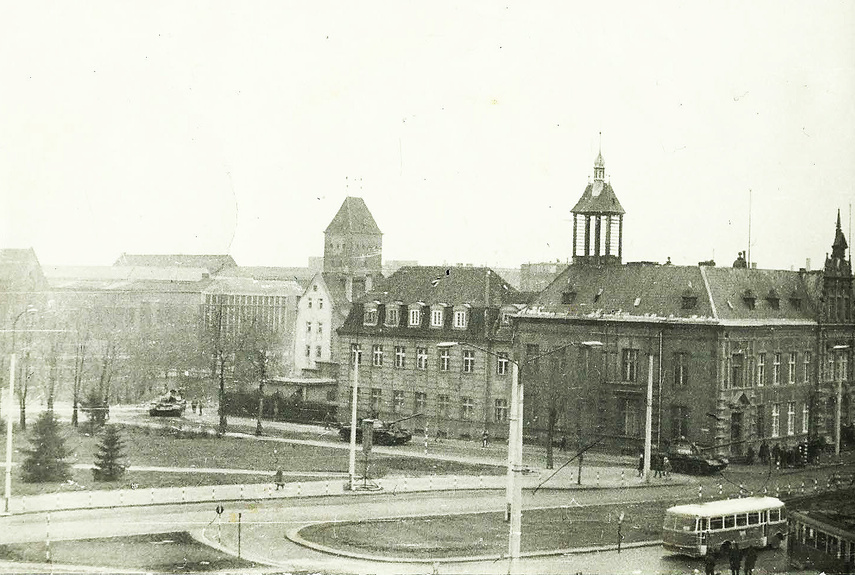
(598, 221)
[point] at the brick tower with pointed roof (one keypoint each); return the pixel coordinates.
(598, 222)
(837, 281)
(353, 247)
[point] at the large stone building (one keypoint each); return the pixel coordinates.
(432, 342)
(738, 355)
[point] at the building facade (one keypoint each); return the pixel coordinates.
(432, 344)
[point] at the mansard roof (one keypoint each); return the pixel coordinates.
(598, 198)
(353, 217)
(457, 285)
(667, 293)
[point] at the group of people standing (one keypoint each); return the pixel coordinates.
(799, 455)
(735, 557)
(661, 468)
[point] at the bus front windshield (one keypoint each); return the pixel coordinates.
(679, 522)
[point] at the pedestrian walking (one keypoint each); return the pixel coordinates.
(776, 454)
(640, 465)
(764, 453)
(709, 562)
(735, 559)
(485, 437)
(278, 480)
(666, 467)
(750, 560)
(200, 407)
(193, 405)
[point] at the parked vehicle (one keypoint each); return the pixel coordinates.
(384, 433)
(172, 404)
(694, 528)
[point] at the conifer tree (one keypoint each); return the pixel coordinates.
(45, 462)
(108, 460)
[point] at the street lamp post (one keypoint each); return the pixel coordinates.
(10, 405)
(515, 440)
(351, 468)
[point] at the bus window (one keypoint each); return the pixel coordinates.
(820, 540)
(728, 522)
(715, 523)
(754, 518)
(832, 546)
(764, 517)
(684, 523)
(741, 520)
(774, 515)
(810, 537)
(783, 513)
(703, 525)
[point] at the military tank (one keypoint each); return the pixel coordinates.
(171, 404)
(385, 433)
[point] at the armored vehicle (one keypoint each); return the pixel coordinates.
(385, 433)
(687, 458)
(169, 405)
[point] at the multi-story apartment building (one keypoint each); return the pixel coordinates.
(432, 342)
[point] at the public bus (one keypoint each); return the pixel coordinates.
(821, 541)
(693, 528)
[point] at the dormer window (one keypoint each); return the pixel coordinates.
(461, 318)
(370, 316)
(437, 316)
(796, 300)
(773, 299)
(568, 297)
(690, 299)
(392, 315)
(749, 299)
(415, 317)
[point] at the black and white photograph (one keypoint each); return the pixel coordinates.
(357, 288)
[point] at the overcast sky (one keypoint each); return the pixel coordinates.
(469, 128)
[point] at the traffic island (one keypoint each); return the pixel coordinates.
(478, 536)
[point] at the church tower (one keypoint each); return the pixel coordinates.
(353, 248)
(598, 222)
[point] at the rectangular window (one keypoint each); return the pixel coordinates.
(308, 351)
(444, 359)
(310, 303)
(442, 405)
(679, 421)
(628, 417)
(467, 408)
(320, 303)
(377, 355)
(501, 410)
(400, 356)
(806, 378)
(397, 401)
(391, 316)
(736, 370)
(415, 318)
(460, 319)
(791, 368)
(370, 317)
(420, 402)
(468, 361)
(842, 365)
(320, 329)
(776, 420)
(716, 523)
(805, 417)
(629, 370)
(436, 318)
(776, 369)
(376, 400)
(317, 351)
(502, 363)
(355, 353)
(761, 370)
(729, 522)
(308, 328)
(421, 357)
(791, 418)
(681, 369)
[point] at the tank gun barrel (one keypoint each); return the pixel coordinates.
(404, 418)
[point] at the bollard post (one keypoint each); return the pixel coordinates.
(815, 485)
(405, 484)
(765, 491)
(184, 494)
(327, 487)
(430, 482)
(213, 493)
(480, 481)
(700, 491)
(803, 488)
(299, 489)
(241, 491)
(777, 491)
(719, 490)
(90, 499)
(47, 538)
(598, 478)
(121, 498)
(622, 477)
(152, 495)
(455, 482)
(741, 490)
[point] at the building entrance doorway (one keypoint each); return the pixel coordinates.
(736, 446)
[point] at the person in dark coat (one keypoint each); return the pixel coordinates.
(750, 560)
(279, 480)
(641, 465)
(735, 559)
(776, 454)
(709, 562)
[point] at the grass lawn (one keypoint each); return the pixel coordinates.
(161, 552)
(487, 533)
(164, 448)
